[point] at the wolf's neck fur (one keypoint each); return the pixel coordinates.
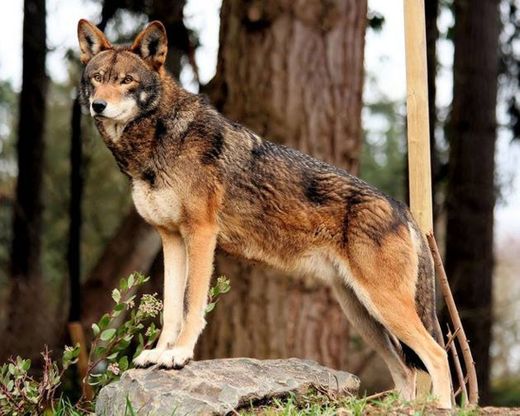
(133, 143)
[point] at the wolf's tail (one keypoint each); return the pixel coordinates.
(425, 300)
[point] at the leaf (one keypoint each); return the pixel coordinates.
(131, 280)
(123, 363)
(26, 365)
(95, 329)
(122, 345)
(123, 285)
(116, 295)
(108, 334)
(112, 356)
(99, 351)
(104, 321)
(210, 307)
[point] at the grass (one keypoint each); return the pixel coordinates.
(314, 403)
(64, 407)
(319, 404)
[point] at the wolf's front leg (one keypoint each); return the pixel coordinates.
(200, 246)
(175, 275)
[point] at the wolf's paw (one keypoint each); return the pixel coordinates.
(148, 358)
(177, 357)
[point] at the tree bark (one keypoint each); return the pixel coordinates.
(293, 72)
(471, 186)
(432, 35)
(75, 217)
(26, 299)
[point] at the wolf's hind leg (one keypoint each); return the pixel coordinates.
(174, 287)
(386, 282)
(376, 336)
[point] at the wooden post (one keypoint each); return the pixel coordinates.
(417, 115)
(419, 169)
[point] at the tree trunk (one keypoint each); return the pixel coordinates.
(432, 34)
(25, 306)
(293, 72)
(75, 213)
(471, 187)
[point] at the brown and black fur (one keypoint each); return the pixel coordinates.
(203, 180)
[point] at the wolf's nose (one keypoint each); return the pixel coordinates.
(99, 105)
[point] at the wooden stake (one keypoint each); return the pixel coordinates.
(78, 337)
(417, 115)
(419, 170)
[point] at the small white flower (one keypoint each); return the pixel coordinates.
(114, 368)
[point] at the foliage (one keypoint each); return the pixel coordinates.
(376, 20)
(222, 286)
(506, 392)
(7, 168)
(110, 353)
(111, 347)
(383, 159)
(510, 64)
(21, 394)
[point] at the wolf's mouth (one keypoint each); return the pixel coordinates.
(101, 116)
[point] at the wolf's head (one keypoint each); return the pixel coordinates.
(119, 83)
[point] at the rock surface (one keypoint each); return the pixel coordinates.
(216, 387)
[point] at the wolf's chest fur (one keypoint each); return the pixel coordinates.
(161, 207)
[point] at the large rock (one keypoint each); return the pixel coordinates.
(216, 387)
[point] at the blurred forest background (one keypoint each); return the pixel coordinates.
(301, 73)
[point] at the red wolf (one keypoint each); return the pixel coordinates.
(202, 180)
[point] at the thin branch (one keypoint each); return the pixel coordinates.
(458, 369)
(455, 318)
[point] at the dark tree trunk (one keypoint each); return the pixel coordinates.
(432, 34)
(293, 72)
(26, 247)
(75, 218)
(471, 186)
(26, 296)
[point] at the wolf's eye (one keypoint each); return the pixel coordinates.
(97, 77)
(127, 80)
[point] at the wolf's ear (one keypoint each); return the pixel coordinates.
(91, 40)
(152, 44)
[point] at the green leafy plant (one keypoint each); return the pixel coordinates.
(110, 350)
(221, 287)
(115, 335)
(21, 394)
(109, 353)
